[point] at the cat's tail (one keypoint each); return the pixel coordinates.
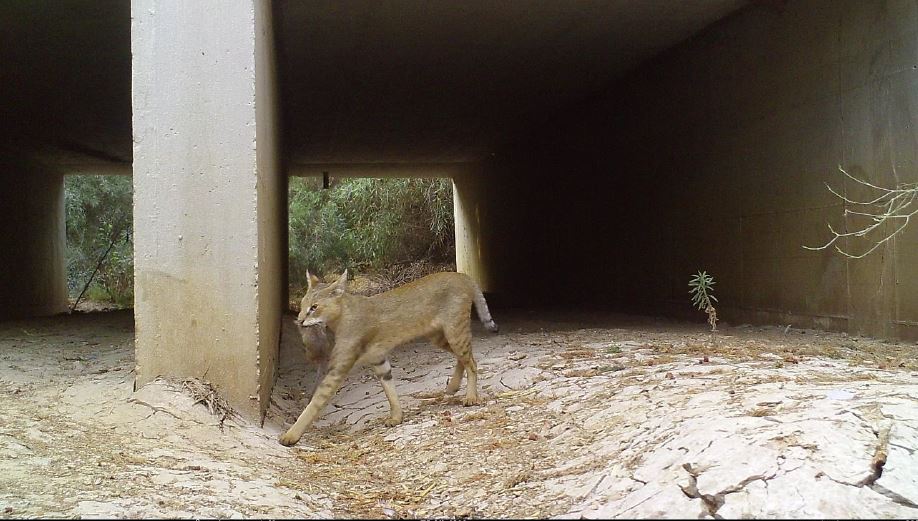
(481, 306)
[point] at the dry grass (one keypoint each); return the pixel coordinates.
(440, 473)
(488, 413)
(577, 353)
(400, 273)
(660, 360)
(580, 373)
(517, 478)
(749, 344)
(203, 392)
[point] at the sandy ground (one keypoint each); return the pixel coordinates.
(584, 416)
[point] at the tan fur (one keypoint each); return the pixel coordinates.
(317, 341)
(316, 346)
(366, 329)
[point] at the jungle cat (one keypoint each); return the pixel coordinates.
(366, 329)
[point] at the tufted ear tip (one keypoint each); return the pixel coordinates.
(311, 280)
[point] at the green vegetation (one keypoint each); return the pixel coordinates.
(100, 244)
(702, 291)
(362, 224)
(367, 224)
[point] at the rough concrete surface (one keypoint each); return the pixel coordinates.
(584, 416)
(208, 209)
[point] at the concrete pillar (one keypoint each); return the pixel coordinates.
(33, 278)
(209, 196)
(467, 218)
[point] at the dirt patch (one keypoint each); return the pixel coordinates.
(584, 415)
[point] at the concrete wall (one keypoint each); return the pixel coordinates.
(207, 196)
(33, 278)
(272, 203)
(713, 156)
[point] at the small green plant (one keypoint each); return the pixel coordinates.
(702, 292)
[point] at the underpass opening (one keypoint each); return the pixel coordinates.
(100, 246)
(385, 230)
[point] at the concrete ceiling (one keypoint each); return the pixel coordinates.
(65, 79)
(363, 81)
(444, 81)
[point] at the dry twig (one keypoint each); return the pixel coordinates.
(891, 206)
(203, 392)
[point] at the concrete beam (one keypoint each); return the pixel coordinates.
(378, 170)
(437, 80)
(209, 198)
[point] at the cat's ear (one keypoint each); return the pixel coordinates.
(340, 285)
(311, 280)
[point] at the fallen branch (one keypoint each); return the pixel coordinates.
(93, 275)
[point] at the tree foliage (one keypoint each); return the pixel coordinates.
(367, 224)
(98, 218)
